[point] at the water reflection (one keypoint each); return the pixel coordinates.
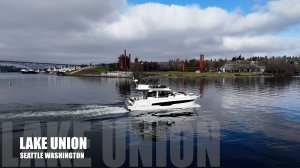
(124, 86)
(250, 105)
(258, 116)
(148, 131)
(201, 86)
(265, 105)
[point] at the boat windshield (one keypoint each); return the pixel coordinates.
(151, 94)
(158, 86)
(158, 94)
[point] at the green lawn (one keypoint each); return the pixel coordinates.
(95, 70)
(100, 69)
(194, 74)
(92, 70)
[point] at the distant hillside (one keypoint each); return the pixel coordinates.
(9, 69)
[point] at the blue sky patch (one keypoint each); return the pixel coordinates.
(246, 6)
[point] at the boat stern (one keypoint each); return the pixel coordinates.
(129, 104)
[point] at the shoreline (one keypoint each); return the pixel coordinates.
(203, 74)
(176, 74)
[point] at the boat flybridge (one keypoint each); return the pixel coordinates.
(160, 97)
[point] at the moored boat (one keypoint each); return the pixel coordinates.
(29, 71)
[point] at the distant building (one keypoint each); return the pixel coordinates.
(238, 67)
(124, 62)
(144, 65)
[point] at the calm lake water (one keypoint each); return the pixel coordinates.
(258, 117)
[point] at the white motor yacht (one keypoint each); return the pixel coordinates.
(160, 97)
(29, 71)
(24, 71)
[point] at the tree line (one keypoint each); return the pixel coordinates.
(281, 65)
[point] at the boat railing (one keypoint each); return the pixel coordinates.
(137, 98)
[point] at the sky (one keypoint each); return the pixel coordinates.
(97, 31)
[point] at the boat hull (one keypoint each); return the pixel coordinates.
(29, 72)
(161, 104)
(61, 73)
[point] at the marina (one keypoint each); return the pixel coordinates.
(51, 71)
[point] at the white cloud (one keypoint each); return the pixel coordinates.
(260, 44)
(287, 8)
(93, 30)
(145, 20)
(190, 30)
(152, 18)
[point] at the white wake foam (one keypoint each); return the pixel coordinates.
(80, 112)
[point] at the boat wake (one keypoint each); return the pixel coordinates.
(80, 112)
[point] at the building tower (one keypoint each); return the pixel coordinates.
(124, 62)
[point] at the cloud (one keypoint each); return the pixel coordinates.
(48, 30)
(145, 20)
(260, 44)
(78, 31)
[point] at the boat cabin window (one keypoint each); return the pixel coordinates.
(163, 93)
(151, 94)
(158, 94)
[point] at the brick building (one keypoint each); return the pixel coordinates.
(124, 62)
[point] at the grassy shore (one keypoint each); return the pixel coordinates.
(194, 74)
(94, 70)
(97, 70)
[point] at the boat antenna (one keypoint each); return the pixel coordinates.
(159, 81)
(147, 81)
